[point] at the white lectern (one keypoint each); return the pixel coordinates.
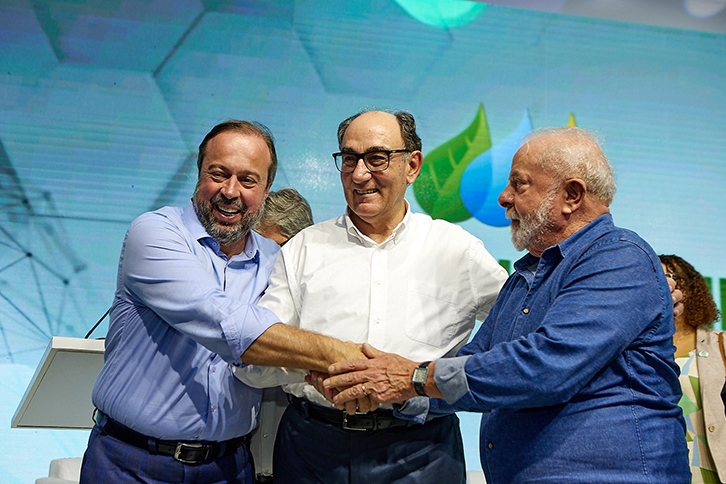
(59, 394)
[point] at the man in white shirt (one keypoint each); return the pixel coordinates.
(383, 275)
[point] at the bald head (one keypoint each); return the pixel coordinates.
(405, 121)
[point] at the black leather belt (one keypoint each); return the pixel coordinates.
(378, 420)
(184, 452)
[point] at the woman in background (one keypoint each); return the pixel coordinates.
(700, 355)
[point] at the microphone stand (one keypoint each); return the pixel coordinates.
(96, 325)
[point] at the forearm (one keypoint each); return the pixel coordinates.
(282, 345)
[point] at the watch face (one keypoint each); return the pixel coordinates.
(419, 375)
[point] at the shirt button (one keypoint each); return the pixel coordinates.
(378, 282)
(490, 445)
(213, 408)
(378, 320)
(214, 369)
(711, 428)
(525, 310)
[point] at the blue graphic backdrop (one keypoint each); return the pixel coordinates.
(103, 103)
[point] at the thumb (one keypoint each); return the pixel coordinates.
(372, 352)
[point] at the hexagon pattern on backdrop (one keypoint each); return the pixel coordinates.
(103, 104)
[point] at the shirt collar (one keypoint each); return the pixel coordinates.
(195, 227)
(583, 236)
(396, 234)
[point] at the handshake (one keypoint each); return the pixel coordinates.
(360, 385)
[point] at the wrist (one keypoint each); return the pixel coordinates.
(430, 386)
(419, 378)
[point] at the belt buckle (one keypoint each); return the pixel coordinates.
(345, 422)
(193, 446)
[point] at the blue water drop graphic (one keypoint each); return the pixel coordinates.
(487, 175)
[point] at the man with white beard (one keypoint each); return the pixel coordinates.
(573, 369)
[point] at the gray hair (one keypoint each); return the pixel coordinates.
(406, 122)
(579, 155)
(287, 210)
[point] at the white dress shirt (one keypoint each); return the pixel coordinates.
(417, 294)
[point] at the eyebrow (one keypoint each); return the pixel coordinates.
(226, 169)
(369, 150)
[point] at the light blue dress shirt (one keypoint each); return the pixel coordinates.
(182, 315)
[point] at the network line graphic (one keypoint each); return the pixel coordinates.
(38, 269)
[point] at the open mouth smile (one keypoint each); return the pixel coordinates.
(366, 192)
(227, 213)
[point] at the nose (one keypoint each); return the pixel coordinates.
(505, 198)
(231, 188)
(361, 172)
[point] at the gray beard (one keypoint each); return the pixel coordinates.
(224, 233)
(531, 228)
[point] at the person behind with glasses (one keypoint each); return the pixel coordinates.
(380, 274)
(700, 355)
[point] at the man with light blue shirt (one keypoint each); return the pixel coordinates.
(573, 369)
(184, 314)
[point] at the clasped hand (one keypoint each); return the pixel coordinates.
(363, 384)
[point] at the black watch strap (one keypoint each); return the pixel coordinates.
(420, 373)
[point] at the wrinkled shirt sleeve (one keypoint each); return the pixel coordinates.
(607, 300)
(279, 299)
(165, 272)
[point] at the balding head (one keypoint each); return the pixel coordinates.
(559, 182)
(573, 152)
(406, 124)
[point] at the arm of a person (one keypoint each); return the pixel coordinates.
(279, 299)
(577, 338)
(282, 345)
(162, 273)
(486, 276)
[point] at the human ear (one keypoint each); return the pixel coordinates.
(413, 165)
(574, 190)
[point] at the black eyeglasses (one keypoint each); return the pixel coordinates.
(374, 160)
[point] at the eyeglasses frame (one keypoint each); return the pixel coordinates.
(361, 156)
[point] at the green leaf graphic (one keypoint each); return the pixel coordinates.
(437, 187)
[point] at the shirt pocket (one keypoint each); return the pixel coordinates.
(431, 316)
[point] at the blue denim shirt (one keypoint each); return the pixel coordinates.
(182, 314)
(573, 369)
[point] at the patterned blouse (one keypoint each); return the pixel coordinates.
(702, 466)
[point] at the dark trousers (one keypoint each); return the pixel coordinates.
(308, 451)
(108, 460)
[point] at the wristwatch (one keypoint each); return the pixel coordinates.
(419, 377)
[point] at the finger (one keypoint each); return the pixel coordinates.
(373, 403)
(372, 352)
(345, 380)
(349, 394)
(351, 407)
(346, 366)
(671, 283)
(677, 296)
(678, 309)
(364, 405)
